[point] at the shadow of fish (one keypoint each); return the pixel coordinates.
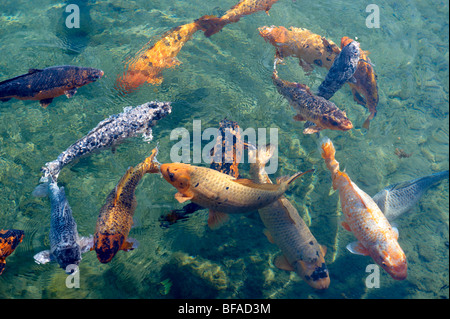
(342, 70)
(132, 122)
(397, 199)
(284, 227)
(66, 246)
(116, 215)
(9, 239)
(44, 85)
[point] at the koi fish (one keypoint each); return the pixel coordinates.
(397, 199)
(132, 122)
(310, 48)
(213, 24)
(225, 159)
(116, 216)
(376, 237)
(9, 239)
(342, 70)
(320, 112)
(222, 194)
(148, 64)
(301, 252)
(44, 85)
(66, 246)
(365, 90)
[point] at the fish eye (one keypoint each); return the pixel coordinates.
(171, 175)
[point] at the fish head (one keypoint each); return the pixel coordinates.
(67, 255)
(345, 41)
(336, 121)
(107, 245)
(393, 260)
(353, 48)
(85, 76)
(178, 175)
(314, 271)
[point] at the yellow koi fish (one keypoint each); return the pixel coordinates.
(284, 227)
(222, 194)
(376, 237)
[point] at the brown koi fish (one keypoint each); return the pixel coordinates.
(310, 48)
(284, 227)
(213, 24)
(148, 64)
(376, 237)
(46, 84)
(116, 216)
(222, 194)
(365, 90)
(320, 112)
(9, 239)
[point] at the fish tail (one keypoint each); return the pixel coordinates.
(210, 24)
(151, 164)
(367, 121)
(265, 153)
(288, 180)
(328, 152)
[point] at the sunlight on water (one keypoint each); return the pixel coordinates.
(227, 75)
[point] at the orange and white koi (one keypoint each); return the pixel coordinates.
(376, 237)
(365, 90)
(213, 24)
(148, 64)
(222, 194)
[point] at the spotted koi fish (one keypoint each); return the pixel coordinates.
(222, 194)
(44, 85)
(225, 159)
(9, 239)
(116, 216)
(376, 237)
(310, 48)
(213, 24)
(365, 89)
(148, 64)
(301, 252)
(320, 112)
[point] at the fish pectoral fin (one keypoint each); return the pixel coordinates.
(45, 102)
(70, 93)
(268, 235)
(282, 263)
(312, 129)
(357, 248)
(217, 219)
(129, 244)
(181, 198)
(346, 226)
(43, 257)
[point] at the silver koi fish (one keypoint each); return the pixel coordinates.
(66, 246)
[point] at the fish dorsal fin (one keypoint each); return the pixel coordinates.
(249, 183)
(31, 71)
(121, 184)
(289, 179)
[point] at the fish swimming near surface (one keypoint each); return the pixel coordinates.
(284, 227)
(365, 89)
(147, 65)
(213, 24)
(66, 246)
(342, 70)
(222, 194)
(226, 156)
(132, 122)
(376, 237)
(44, 85)
(116, 216)
(397, 199)
(9, 239)
(310, 48)
(323, 113)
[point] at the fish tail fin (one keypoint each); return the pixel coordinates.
(264, 154)
(328, 152)
(151, 164)
(289, 179)
(367, 121)
(210, 24)
(41, 190)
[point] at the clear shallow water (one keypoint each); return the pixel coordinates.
(226, 75)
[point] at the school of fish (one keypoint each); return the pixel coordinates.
(222, 188)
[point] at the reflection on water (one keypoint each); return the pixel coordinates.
(226, 75)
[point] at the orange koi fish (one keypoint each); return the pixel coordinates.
(116, 216)
(365, 90)
(376, 237)
(310, 48)
(9, 239)
(148, 64)
(213, 24)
